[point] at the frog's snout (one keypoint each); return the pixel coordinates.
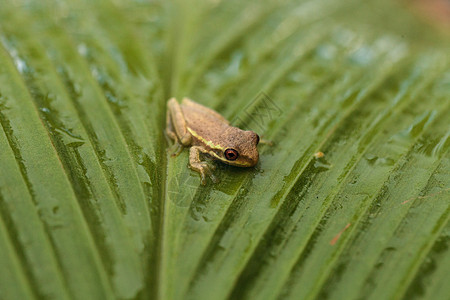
(254, 159)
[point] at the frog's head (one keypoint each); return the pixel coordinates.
(240, 148)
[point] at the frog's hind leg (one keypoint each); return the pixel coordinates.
(200, 166)
(176, 148)
(206, 110)
(170, 133)
(178, 122)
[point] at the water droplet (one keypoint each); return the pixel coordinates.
(362, 56)
(379, 161)
(82, 49)
(321, 165)
(327, 52)
(234, 66)
(20, 64)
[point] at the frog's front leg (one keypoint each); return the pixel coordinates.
(200, 166)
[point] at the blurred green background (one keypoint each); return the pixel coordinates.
(93, 207)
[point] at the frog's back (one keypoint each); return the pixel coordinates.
(205, 123)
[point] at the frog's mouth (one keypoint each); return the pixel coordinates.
(244, 163)
(241, 161)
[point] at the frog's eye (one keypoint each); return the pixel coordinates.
(231, 154)
(257, 139)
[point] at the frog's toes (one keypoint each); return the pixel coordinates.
(266, 142)
(214, 178)
(208, 169)
(203, 178)
(204, 169)
(203, 173)
(176, 149)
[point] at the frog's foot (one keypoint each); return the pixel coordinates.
(176, 149)
(214, 179)
(205, 170)
(200, 166)
(266, 142)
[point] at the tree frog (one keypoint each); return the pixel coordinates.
(206, 131)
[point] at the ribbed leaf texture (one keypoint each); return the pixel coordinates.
(351, 201)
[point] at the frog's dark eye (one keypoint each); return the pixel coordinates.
(257, 139)
(231, 154)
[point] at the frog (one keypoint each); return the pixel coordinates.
(205, 131)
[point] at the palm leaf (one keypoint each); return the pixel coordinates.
(351, 201)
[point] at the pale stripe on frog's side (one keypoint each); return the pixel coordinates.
(209, 143)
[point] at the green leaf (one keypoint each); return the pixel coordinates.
(352, 200)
